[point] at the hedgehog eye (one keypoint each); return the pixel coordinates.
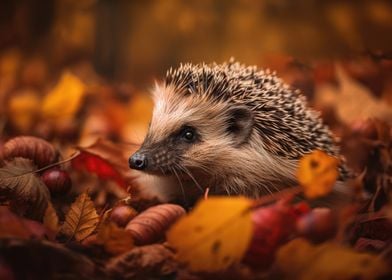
(188, 134)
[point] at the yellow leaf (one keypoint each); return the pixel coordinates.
(214, 235)
(301, 260)
(114, 239)
(51, 220)
(317, 173)
(64, 100)
(81, 219)
(23, 110)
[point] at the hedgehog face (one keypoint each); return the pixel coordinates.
(189, 133)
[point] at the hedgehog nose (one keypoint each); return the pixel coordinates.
(138, 161)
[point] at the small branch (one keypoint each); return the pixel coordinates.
(75, 155)
(266, 199)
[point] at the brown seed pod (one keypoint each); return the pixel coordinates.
(122, 214)
(57, 181)
(41, 152)
(151, 225)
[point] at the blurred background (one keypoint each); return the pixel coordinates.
(117, 48)
(134, 40)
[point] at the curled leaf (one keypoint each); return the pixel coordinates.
(317, 173)
(151, 225)
(214, 235)
(114, 239)
(81, 219)
(20, 185)
(41, 152)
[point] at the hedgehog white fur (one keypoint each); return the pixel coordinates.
(232, 128)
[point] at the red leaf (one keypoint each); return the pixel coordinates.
(106, 159)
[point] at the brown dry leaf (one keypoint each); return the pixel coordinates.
(64, 100)
(301, 260)
(40, 259)
(145, 262)
(352, 100)
(114, 239)
(12, 225)
(215, 235)
(317, 173)
(81, 219)
(41, 152)
(51, 220)
(19, 184)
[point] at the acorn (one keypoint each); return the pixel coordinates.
(57, 181)
(122, 214)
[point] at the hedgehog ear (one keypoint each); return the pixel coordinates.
(240, 123)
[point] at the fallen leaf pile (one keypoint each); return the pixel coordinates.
(72, 208)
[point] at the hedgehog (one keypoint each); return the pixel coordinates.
(233, 128)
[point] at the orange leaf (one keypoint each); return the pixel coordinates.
(114, 239)
(317, 173)
(51, 220)
(299, 259)
(65, 99)
(23, 110)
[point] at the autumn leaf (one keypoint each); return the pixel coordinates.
(301, 260)
(51, 220)
(352, 101)
(214, 235)
(12, 225)
(81, 219)
(114, 239)
(107, 160)
(41, 259)
(64, 100)
(23, 110)
(19, 184)
(317, 173)
(144, 262)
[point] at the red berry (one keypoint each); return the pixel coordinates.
(57, 181)
(273, 226)
(319, 225)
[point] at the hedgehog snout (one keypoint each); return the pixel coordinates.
(151, 161)
(138, 161)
